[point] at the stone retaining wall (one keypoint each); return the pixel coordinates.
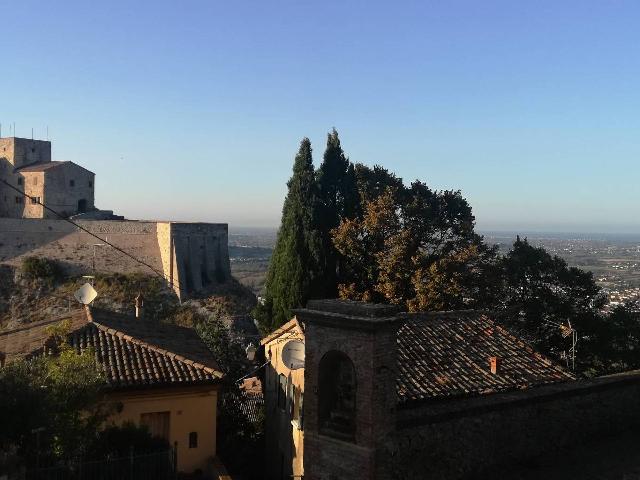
(190, 255)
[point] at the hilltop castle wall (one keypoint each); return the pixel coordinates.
(191, 256)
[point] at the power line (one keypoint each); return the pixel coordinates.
(141, 262)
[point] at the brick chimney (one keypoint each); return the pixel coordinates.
(139, 306)
(495, 364)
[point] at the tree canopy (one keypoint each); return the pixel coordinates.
(360, 233)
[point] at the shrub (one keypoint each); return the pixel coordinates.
(38, 268)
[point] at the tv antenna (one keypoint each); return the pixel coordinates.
(566, 330)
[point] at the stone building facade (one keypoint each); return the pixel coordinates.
(443, 395)
(26, 164)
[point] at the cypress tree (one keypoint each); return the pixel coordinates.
(340, 199)
(294, 268)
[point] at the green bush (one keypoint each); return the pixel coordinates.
(38, 268)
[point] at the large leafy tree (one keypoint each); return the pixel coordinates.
(391, 253)
(296, 268)
(51, 406)
(540, 291)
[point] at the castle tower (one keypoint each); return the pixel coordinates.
(23, 151)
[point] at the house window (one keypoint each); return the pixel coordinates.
(35, 200)
(90, 184)
(72, 183)
(297, 415)
(19, 200)
(193, 440)
(290, 396)
(157, 423)
(337, 396)
(282, 392)
(20, 181)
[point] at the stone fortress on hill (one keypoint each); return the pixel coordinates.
(191, 256)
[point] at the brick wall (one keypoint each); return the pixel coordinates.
(458, 439)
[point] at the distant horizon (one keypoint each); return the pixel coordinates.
(239, 229)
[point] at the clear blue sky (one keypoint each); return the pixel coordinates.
(193, 110)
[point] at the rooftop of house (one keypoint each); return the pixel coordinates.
(447, 354)
(132, 352)
(46, 166)
(443, 354)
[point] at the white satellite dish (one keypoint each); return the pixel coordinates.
(86, 294)
(293, 354)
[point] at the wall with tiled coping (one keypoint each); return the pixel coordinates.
(461, 438)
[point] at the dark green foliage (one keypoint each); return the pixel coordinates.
(230, 356)
(50, 407)
(339, 199)
(611, 343)
(122, 289)
(44, 269)
(240, 438)
(295, 270)
(538, 290)
(120, 441)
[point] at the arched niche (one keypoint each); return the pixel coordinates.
(337, 387)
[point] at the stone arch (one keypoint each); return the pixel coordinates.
(337, 387)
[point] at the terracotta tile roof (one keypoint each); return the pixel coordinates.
(446, 354)
(132, 352)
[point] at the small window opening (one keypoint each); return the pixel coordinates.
(90, 184)
(72, 183)
(193, 440)
(282, 392)
(35, 200)
(20, 181)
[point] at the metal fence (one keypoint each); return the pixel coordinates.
(152, 466)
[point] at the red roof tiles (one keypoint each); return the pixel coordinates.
(446, 354)
(132, 352)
